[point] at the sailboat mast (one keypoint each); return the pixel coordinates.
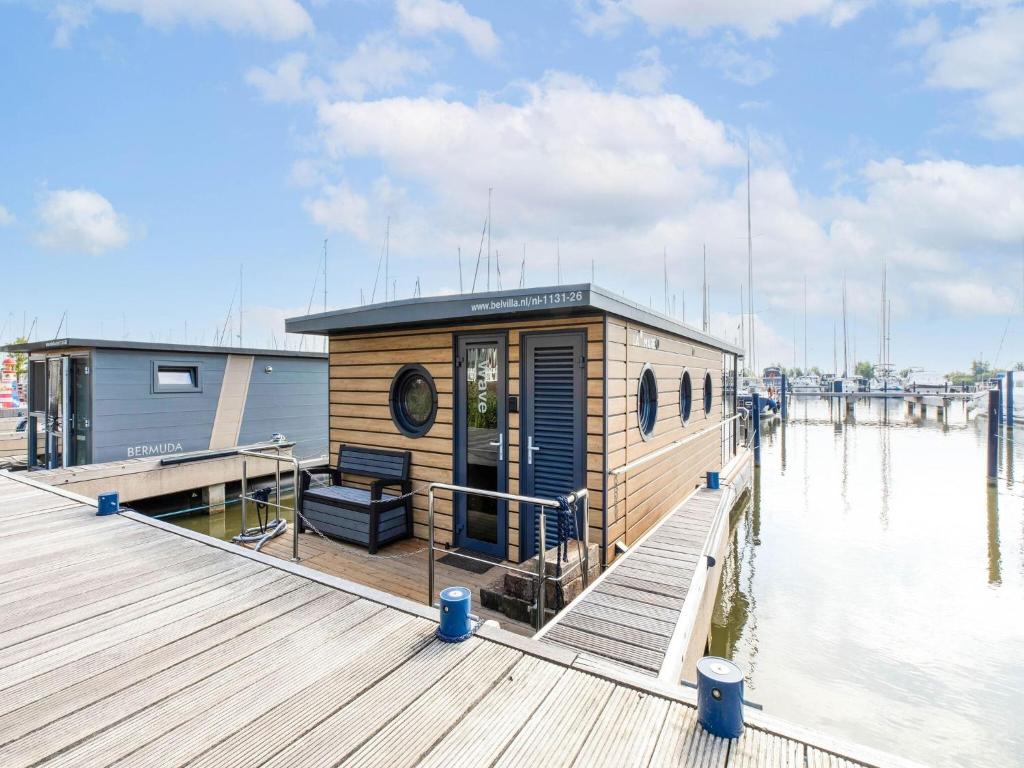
(489, 189)
(846, 335)
(750, 266)
(805, 324)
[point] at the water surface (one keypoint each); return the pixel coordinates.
(874, 586)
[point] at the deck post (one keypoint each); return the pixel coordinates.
(1009, 399)
(999, 403)
(214, 498)
(783, 396)
(993, 436)
(245, 492)
(430, 544)
(755, 423)
(296, 502)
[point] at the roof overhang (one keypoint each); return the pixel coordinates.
(550, 301)
(72, 343)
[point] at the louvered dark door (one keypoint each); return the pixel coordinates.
(552, 435)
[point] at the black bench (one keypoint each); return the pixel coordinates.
(368, 517)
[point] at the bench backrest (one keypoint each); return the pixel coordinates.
(373, 462)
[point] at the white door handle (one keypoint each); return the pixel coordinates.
(500, 445)
(530, 449)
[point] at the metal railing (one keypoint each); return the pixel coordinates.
(647, 458)
(277, 459)
(540, 576)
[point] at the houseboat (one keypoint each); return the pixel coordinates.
(807, 384)
(538, 392)
(93, 401)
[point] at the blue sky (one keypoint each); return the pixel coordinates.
(148, 148)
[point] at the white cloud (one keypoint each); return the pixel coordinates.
(80, 221)
(566, 153)
(6, 217)
(287, 81)
(970, 296)
(68, 17)
(924, 32)
(340, 209)
(734, 64)
(377, 65)
(755, 18)
(647, 75)
(986, 58)
(269, 19)
(425, 17)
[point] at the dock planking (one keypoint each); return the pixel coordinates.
(629, 615)
(247, 660)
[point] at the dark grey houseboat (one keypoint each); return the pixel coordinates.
(100, 401)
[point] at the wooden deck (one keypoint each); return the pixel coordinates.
(633, 615)
(399, 568)
(127, 641)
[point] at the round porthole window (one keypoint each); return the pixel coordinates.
(413, 400)
(685, 397)
(707, 393)
(647, 401)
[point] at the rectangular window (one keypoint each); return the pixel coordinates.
(176, 377)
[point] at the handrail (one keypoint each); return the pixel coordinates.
(670, 447)
(581, 495)
(296, 466)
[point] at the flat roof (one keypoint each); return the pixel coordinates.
(70, 343)
(552, 301)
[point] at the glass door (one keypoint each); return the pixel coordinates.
(481, 443)
(54, 412)
(81, 411)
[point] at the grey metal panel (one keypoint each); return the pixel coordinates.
(550, 301)
(130, 420)
(291, 400)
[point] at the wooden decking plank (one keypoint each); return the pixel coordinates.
(119, 725)
(75, 582)
(78, 618)
(89, 706)
(608, 587)
(234, 714)
(403, 741)
(620, 632)
(677, 559)
(79, 552)
(345, 731)
(117, 590)
(755, 748)
(289, 720)
(139, 617)
(49, 529)
(485, 731)
(669, 575)
(607, 647)
(633, 581)
(626, 732)
(560, 726)
(71, 683)
(647, 623)
(127, 553)
(682, 742)
(630, 607)
(43, 518)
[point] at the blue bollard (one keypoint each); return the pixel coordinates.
(108, 503)
(1009, 398)
(993, 436)
(720, 697)
(755, 415)
(456, 624)
(713, 483)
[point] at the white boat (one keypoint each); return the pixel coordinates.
(887, 384)
(807, 384)
(927, 381)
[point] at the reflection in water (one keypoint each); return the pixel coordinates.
(857, 595)
(994, 576)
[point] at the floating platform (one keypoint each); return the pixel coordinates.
(129, 641)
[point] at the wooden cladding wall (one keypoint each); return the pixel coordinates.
(644, 495)
(361, 370)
